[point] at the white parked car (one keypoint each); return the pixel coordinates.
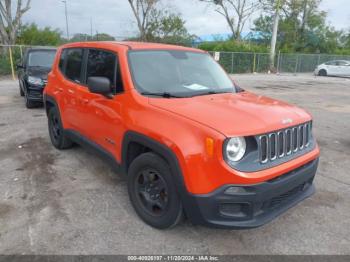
(334, 68)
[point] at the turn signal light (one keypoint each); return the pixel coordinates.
(209, 145)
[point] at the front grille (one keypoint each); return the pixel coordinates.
(35, 94)
(276, 145)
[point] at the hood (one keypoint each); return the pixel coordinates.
(40, 72)
(240, 114)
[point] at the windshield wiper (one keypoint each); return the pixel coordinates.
(164, 94)
(214, 92)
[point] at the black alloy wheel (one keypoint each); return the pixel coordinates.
(152, 192)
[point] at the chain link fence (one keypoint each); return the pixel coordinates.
(238, 63)
(232, 62)
(304, 63)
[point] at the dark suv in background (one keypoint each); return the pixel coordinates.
(32, 74)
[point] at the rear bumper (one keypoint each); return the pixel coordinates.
(249, 206)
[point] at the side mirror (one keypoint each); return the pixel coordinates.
(100, 85)
(19, 66)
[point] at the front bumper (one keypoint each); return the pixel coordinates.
(35, 93)
(249, 206)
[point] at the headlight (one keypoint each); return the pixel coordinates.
(35, 81)
(235, 149)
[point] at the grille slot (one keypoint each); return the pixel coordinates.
(273, 147)
(283, 143)
(295, 139)
(278, 200)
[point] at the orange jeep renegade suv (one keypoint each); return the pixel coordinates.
(190, 142)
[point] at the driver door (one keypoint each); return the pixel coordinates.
(102, 114)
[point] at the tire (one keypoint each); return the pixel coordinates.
(322, 72)
(56, 131)
(29, 103)
(152, 192)
(20, 89)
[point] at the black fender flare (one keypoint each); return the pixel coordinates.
(155, 146)
(190, 207)
(48, 98)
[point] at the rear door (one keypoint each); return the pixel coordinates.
(72, 70)
(332, 68)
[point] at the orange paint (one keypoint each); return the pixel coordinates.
(192, 128)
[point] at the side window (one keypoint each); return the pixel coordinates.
(74, 63)
(342, 63)
(102, 63)
(62, 60)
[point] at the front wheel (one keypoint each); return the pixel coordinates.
(29, 103)
(322, 72)
(152, 191)
(20, 89)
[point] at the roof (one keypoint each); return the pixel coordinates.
(41, 48)
(131, 45)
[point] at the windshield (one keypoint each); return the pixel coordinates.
(177, 73)
(41, 58)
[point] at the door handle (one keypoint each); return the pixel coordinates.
(85, 101)
(60, 89)
(71, 91)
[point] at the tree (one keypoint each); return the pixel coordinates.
(345, 39)
(97, 37)
(142, 10)
(168, 27)
(79, 37)
(276, 19)
(302, 27)
(236, 13)
(32, 35)
(276, 6)
(103, 37)
(9, 25)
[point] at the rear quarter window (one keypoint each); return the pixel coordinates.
(74, 63)
(62, 60)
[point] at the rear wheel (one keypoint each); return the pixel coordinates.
(152, 191)
(322, 72)
(56, 131)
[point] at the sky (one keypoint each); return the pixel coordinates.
(115, 16)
